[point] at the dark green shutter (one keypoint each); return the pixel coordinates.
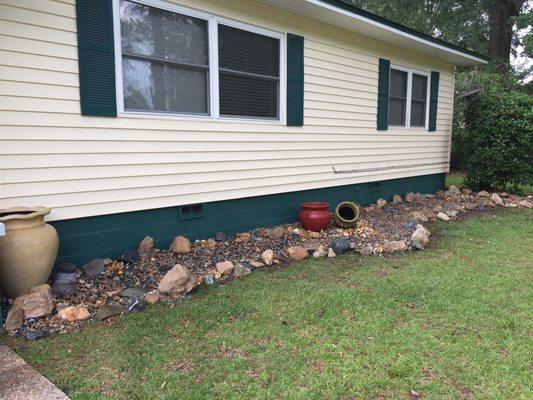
(433, 101)
(383, 94)
(96, 55)
(295, 80)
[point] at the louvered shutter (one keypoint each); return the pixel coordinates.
(433, 101)
(295, 80)
(383, 95)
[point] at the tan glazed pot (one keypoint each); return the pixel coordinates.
(28, 251)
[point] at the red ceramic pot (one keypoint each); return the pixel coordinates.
(314, 216)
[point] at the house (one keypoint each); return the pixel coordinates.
(163, 117)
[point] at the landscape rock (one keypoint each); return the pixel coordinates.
(225, 268)
(451, 213)
(320, 252)
(180, 245)
(394, 246)
(381, 202)
(331, 253)
(525, 204)
(209, 279)
(135, 304)
(483, 193)
(146, 247)
(106, 311)
(420, 238)
(178, 281)
(72, 314)
(443, 217)
(94, 267)
(221, 237)
(419, 216)
(366, 250)
(497, 199)
(130, 256)
(241, 270)
(453, 191)
(268, 257)
(297, 253)
(67, 268)
(470, 206)
(35, 335)
(340, 246)
(152, 297)
(243, 237)
(276, 233)
(257, 264)
(410, 197)
(15, 319)
(38, 302)
(396, 199)
(132, 292)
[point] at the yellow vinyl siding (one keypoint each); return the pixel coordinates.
(84, 166)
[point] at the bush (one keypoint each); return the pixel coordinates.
(498, 138)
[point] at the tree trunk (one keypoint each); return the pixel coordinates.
(501, 29)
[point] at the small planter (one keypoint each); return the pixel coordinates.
(346, 215)
(28, 251)
(314, 216)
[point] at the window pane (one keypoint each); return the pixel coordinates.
(418, 113)
(158, 87)
(398, 83)
(249, 97)
(247, 51)
(397, 112)
(420, 87)
(150, 31)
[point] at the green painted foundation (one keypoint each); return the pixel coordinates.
(83, 239)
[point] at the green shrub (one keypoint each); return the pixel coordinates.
(498, 138)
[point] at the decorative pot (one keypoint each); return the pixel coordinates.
(314, 216)
(28, 251)
(346, 215)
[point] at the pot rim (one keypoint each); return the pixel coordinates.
(32, 212)
(315, 205)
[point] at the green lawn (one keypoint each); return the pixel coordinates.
(452, 322)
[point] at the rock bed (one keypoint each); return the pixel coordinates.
(106, 288)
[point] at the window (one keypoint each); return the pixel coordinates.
(408, 96)
(177, 61)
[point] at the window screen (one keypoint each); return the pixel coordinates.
(249, 74)
(165, 63)
(397, 97)
(419, 100)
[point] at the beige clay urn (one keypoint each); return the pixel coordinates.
(28, 250)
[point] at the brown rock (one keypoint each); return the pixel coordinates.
(397, 199)
(243, 237)
(178, 281)
(381, 203)
(211, 243)
(268, 257)
(420, 237)
(152, 297)
(315, 235)
(180, 245)
(225, 268)
(419, 216)
(277, 233)
(257, 264)
(297, 253)
(146, 247)
(15, 319)
(410, 197)
(394, 246)
(365, 250)
(72, 314)
(525, 204)
(443, 217)
(497, 199)
(37, 303)
(471, 206)
(483, 193)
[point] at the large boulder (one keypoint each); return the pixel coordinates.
(180, 245)
(178, 281)
(38, 302)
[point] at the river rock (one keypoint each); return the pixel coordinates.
(146, 247)
(225, 268)
(72, 314)
(15, 319)
(180, 245)
(277, 233)
(340, 246)
(37, 303)
(497, 199)
(297, 253)
(178, 281)
(94, 267)
(394, 246)
(106, 311)
(443, 217)
(268, 257)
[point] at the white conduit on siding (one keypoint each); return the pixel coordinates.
(355, 171)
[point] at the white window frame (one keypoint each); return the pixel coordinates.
(410, 72)
(213, 97)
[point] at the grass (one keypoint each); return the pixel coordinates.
(452, 322)
(458, 179)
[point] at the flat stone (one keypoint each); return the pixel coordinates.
(340, 246)
(94, 267)
(257, 264)
(394, 246)
(277, 233)
(106, 311)
(178, 281)
(297, 253)
(241, 270)
(268, 257)
(224, 268)
(132, 292)
(72, 314)
(180, 245)
(20, 381)
(146, 247)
